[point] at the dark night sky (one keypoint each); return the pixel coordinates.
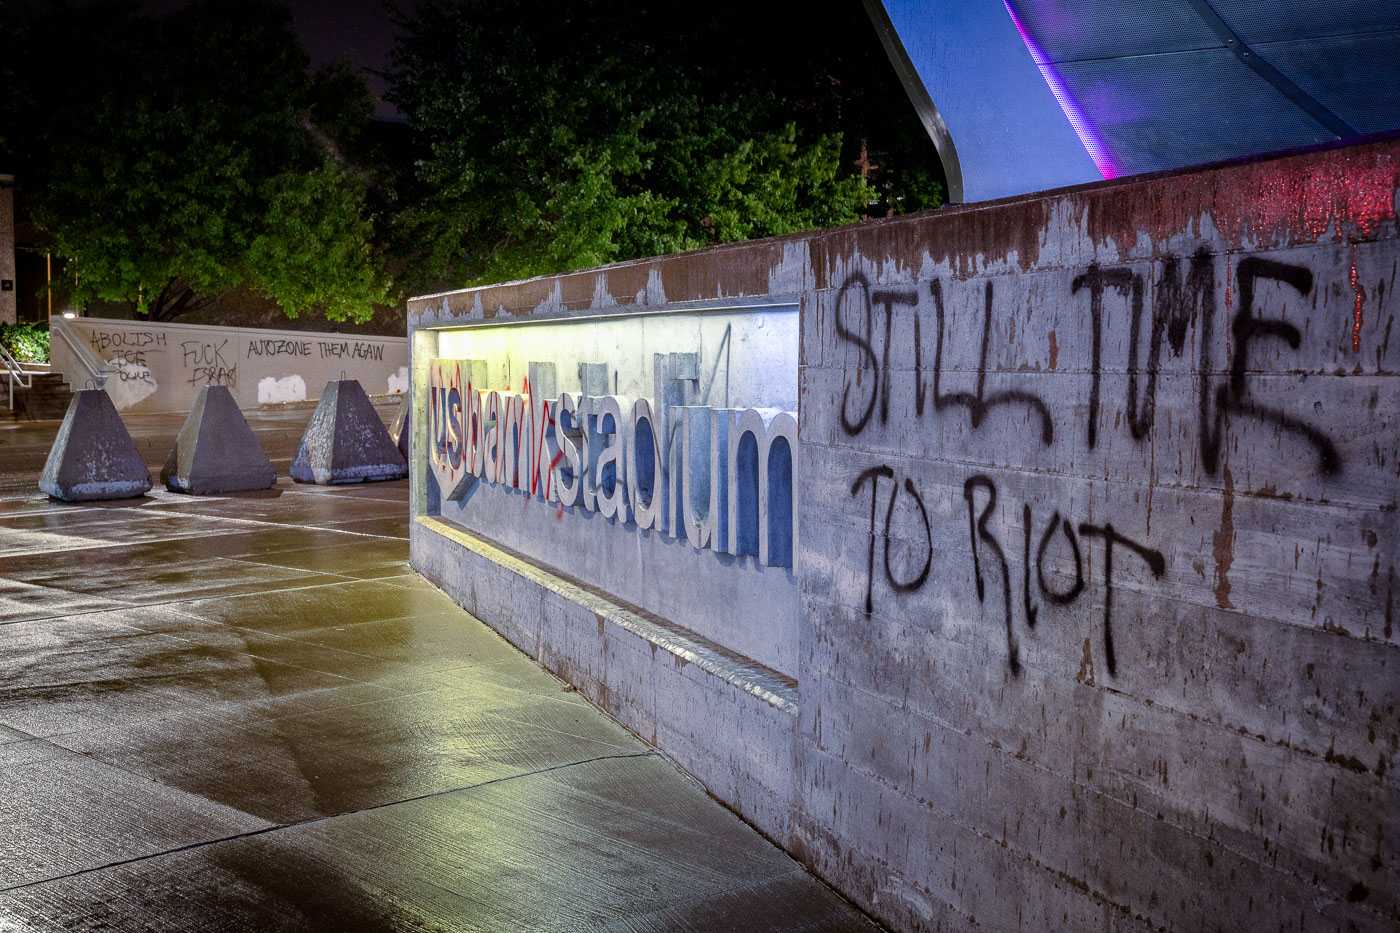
(329, 29)
(360, 29)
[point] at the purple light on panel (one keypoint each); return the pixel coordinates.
(1088, 135)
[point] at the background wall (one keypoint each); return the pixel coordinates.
(161, 367)
(8, 304)
(1098, 551)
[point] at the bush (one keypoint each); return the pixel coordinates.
(28, 343)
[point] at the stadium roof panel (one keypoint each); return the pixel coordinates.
(1035, 94)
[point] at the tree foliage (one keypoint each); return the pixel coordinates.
(171, 157)
(27, 343)
(561, 134)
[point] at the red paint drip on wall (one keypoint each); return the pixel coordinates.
(1309, 200)
(1360, 298)
(1271, 203)
(1229, 297)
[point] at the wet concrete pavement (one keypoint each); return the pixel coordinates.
(247, 713)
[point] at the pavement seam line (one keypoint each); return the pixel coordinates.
(247, 559)
(207, 518)
(320, 819)
(254, 521)
(212, 716)
(338, 581)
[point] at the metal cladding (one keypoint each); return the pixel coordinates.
(346, 442)
(93, 456)
(403, 426)
(216, 451)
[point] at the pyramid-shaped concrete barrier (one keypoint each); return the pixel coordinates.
(346, 442)
(403, 424)
(93, 456)
(216, 451)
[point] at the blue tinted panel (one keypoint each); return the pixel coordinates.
(1071, 30)
(1280, 20)
(1356, 77)
(1184, 108)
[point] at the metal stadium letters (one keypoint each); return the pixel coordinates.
(720, 478)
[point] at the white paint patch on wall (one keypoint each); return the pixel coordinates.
(398, 382)
(130, 382)
(287, 389)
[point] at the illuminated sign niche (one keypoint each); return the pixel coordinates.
(719, 478)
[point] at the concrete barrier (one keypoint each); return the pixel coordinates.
(346, 442)
(162, 367)
(1096, 552)
(216, 451)
(93, 456)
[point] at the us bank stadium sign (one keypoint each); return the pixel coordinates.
(721, 479)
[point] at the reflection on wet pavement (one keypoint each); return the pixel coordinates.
(247, 713)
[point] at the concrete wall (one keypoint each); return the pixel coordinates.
(9, 307)
(161, 367)
(1098, 553)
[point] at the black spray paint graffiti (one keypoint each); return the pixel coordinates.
(1178, 301)
(886, 298)
(206, 365)
(1058, 598)
(1234, 397)
(1155, 563)
(131, 366)
(980, 537)
(980, 403)
(982, 540)
(102, 341)
(1097, 280)
(1172, 312)
(129, 349)
(1175, 305)
(350, 350)
(899, 586)
(278, 347)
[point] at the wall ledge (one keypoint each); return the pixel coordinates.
(775, 689)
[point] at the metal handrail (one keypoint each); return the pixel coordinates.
(14, 372)
(95, 371)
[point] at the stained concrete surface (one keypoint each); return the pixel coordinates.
(247, 713)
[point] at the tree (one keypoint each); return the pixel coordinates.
(173, 157)
(562, 134)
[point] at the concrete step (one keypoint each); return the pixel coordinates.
(45, 400)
